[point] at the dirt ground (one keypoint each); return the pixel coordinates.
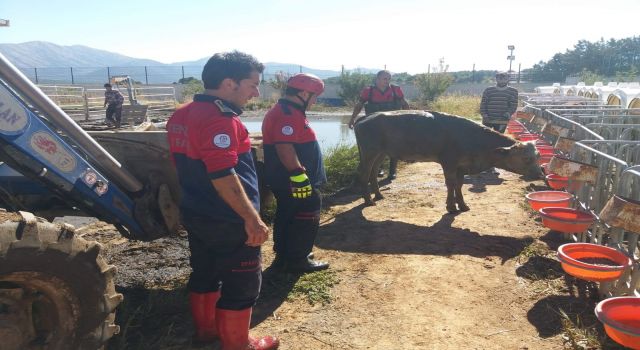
(410, 276)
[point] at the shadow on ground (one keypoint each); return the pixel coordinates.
(352, 232)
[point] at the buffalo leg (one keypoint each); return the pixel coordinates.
(365, 169)
(458, 192)
(373, 179)
(451, 179)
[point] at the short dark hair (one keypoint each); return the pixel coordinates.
(384, 71)
(107, 85)
(234, 65)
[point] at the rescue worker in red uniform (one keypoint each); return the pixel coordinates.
(294, 171)
(211, 150)
(382, 96)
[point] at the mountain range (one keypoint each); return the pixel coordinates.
(46, 55)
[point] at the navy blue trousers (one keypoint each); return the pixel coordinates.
(221, 260)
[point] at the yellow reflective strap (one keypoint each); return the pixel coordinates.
(299, 178)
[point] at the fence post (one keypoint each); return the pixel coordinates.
(35, 70)
(86, 104)
(146, 76)
(108, 74)
(72, 81)
(300, 69)
(182, 72)
(519, 65)
(473, 74)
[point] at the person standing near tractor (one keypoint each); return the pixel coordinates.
(382, 96)
(294, 171)
(211, 150)
(113, 101)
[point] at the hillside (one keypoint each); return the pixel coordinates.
(41, 54)
(44, 54)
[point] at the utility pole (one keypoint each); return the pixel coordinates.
(511, 57)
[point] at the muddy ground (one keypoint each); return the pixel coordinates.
(410, 276)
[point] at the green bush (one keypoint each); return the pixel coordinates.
(193, 87)
(433, 84)
(351, 84)
(341, 165)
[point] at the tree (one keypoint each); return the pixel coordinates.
(433, 84)
(589, 77)
(280, 81)
(351, 84)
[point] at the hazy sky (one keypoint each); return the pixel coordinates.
(404, 35)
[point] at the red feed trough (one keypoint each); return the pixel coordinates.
(543, 199)
(621, 319)
(593, 262)
(566, 220)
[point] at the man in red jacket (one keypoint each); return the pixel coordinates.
(211, 150)
(294, 171)
(382, 96)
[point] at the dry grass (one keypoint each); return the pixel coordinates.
(463, 105)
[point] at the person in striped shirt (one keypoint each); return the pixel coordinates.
(498, 103)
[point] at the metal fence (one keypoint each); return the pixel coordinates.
(586, 134)
(169, 74)
(143, 74)
(85, 104)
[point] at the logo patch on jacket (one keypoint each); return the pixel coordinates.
(222, 140)
(287, 130)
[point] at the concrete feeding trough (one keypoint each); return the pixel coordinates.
(573, 170)
(622, 212)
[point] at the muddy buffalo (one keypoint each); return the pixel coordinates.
(459, 145)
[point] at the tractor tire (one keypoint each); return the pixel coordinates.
(56, 291)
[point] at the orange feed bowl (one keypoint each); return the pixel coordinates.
(543, 199)
(544, 158)
(556, 181)
(545, 150)
(512, 128)
(567, 220)
(572, 256)
(541, 142)
(528, 137)
(621, 319)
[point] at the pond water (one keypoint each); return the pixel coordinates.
(330, 131)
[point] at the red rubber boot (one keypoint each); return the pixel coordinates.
(203, 311)
(233, 329)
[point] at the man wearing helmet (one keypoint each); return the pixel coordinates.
(498, 103)
(382, 96)
(294, 171)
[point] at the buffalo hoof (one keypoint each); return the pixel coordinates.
(369, 203)
(463, 207)
(452, 210)
(378, 197)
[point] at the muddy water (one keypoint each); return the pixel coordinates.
(331, 129)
